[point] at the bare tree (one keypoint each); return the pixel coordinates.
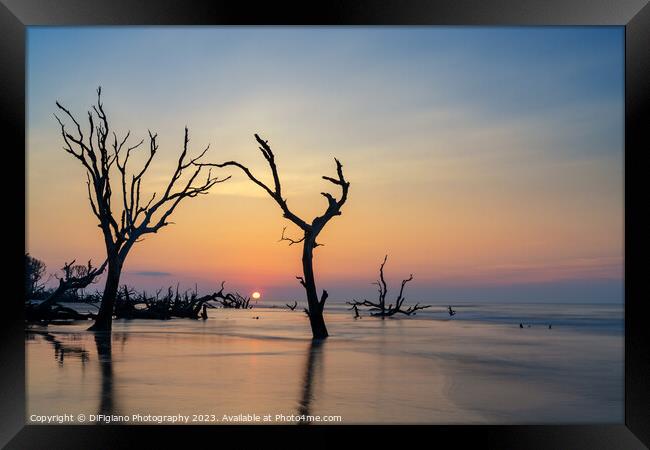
(134, 217)
(379, 308)
(310, 230)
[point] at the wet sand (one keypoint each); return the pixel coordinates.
(369, 371)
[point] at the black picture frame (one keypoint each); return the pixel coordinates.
(634, 15)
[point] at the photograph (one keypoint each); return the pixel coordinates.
(324, 225)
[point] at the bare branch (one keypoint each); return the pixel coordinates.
(323, 298)
(292, 307)
(276, 192)
(379, 308)
(291, 241)
(73, 279)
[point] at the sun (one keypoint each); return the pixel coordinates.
(256, 295)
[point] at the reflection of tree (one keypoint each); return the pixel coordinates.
(61, 349)
(121, 338)
(314, 359)
(105, 358)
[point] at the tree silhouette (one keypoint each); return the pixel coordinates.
(34, 272)
(125, 225)
(73, 279)
(310, 230)
(379, 308)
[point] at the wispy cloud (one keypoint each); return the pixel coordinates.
(151, 273)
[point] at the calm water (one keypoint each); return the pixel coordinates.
(477, 367)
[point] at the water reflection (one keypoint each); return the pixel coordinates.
(61, 349)
(312, 369)
(105, 359)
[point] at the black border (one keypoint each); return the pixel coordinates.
(15, 15)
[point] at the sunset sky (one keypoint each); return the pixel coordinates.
(488, 162)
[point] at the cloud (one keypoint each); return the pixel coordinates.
(151, 273)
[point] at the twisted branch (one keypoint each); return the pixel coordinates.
(379, 308)
(136, 217)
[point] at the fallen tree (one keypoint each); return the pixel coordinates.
(131, 305)
(379, 308)
(74, 278)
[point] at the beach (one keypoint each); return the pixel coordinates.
(246, 366)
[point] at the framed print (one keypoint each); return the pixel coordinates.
(369, 219)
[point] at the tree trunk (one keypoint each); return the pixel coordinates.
(318, 328)
(104, 320)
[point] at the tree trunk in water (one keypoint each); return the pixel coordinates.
(104, 320)
(318, 328)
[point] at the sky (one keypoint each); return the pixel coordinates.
(488, 162)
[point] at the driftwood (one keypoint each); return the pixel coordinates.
(232, 300)
(379, 308)
(130, 305)
(73, 278)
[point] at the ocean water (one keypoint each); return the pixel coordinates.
(580, 317)
(244, 366)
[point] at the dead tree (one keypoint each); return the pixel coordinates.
(310, 230)
(73, 279)
(379, 308)
(125, 224)
(292, 307)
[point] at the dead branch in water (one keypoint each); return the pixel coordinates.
(74, 278)
(292, 307)
(131, 305)
(379, 308)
